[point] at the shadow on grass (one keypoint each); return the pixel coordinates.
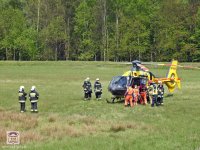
(115, 101)
(169, 95)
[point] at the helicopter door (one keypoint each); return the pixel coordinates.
(134, 81)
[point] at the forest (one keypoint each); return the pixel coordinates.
(100, 30)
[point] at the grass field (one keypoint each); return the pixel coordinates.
(65, 121)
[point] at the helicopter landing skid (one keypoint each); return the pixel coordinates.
(115, 100)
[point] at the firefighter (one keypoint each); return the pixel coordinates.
(143, 94)
(129, 96)
(154, 94)
(33, 96)
(150, 92)
(160, 93)
(87, 86)
(22, 98)
(136, 94)
(97, 89)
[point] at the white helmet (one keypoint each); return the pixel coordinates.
(21, 88)
(97, 79)
(33, 88)
(87, 79)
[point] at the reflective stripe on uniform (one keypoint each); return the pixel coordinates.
(21, 101)
(97, 90)
(32, 94)
(33, 101)
(20, 94)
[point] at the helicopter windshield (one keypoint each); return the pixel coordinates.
(121, 81)
(143, 81)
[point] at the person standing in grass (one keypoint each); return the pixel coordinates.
(150, 92)
(143, 94)
(97, 89)
(129, 96)
(87, 86)
(154, 94)
(33, 96)
(136, 94)
(160, 92)
(22, 98)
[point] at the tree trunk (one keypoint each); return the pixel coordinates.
(107, 57)
(6, 53)
(56, 51)
(117, 33)
(104, 28)
(38, 16)
(19, 56)
(138, 40)
(153, 49)
(68, 39)
(14, 54)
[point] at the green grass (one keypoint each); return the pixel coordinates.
(65, 121)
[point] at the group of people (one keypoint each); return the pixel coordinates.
(153, 93)
(87, 86)
(33, 97)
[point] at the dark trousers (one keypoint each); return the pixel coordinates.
(22, 106)
(33, 105)
(154, 100)
(160, 99)
(88, 95)
(98, 94)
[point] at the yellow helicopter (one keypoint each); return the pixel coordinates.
(138, 75)
(171, 80)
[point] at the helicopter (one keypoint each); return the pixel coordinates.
(139, 74)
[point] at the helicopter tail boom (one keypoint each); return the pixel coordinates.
(172, 78)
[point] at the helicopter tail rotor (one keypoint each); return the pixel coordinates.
(172, 77)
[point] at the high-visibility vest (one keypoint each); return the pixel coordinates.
(136, 91)
(155, 89)
(130, 91)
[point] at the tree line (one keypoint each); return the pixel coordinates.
(106, 30)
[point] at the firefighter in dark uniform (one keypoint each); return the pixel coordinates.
(97, 89)
(160, 93)
(87, 86)
(154, 94)
(22, 98)
(33, 96)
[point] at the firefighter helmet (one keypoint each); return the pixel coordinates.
(33, 88)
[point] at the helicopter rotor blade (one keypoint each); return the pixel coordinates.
(181, 66)
(160, 64)
(190, 67)
(143, 67)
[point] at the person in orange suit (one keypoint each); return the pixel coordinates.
(143, 94)
(136, 94)
(129, 96)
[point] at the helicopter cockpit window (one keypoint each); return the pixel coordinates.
(120, 81)
(143, 81)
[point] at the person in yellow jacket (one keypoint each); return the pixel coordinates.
(150, 92)
(154, 94)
